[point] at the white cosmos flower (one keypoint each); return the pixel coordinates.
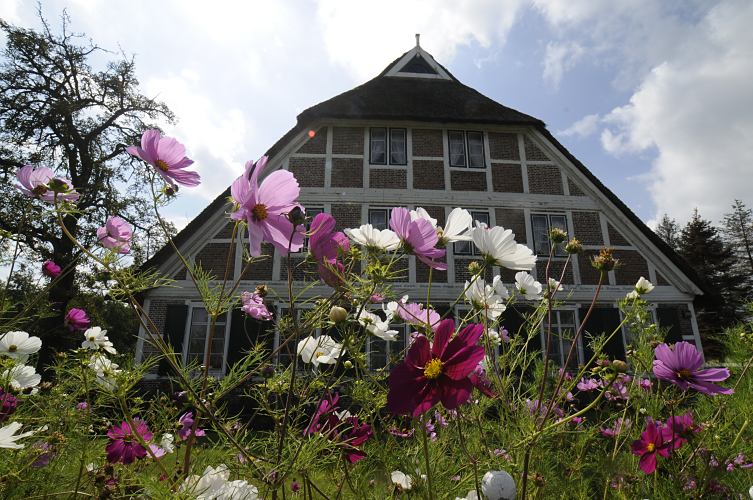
(643, 286)
(420, 213)
(498, 245)
(472, 495)
(632, 295)
(485, 297)
(401, 480)
(8, 436)
(371, 237)
(167, 442)
(528, 287)
(375, 326)
(322, 349)
(95, 338)
(214, 485)
(458, 226)
(105, 370)
(554, 286)
(498, 485)
(19, 345)
(390, 309)
(22, 377)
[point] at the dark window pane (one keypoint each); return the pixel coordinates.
(560, 222)
(540, 227)
(476, 150)
(379, 218)
(457, 148)
(397, 147)
(378, 149)
(669, 319)
(603, 321)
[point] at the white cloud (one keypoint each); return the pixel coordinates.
(586, 126)
(559, 58)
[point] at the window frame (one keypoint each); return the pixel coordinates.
(559, 251)
(465, 137)
(473, 252)
(557, 328)
(187, 339)
(388, 214)
(388, 345)
(388, 133)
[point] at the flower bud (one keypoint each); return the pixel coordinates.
(605, 261)
(58, 185)
(557, 236)
(337, 314)
(573, 246)
(348, 364)
(498, 485)
(474, 267)
(268, 371)
(619, 366)
(170, 191)
(297, 216)
(261, 290)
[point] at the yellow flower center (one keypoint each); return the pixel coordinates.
(92, 339)
(650, 447)
(259, 212)
(12, 348)
(39, 190)
(433, 369)
(162, 165)
(319, 354)
(684, 374)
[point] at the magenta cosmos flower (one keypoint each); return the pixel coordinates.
(682, 366)
(168, 156)
(679, 429)
(325, 245)
(41, 183)
(50, 269)
(341, 427)
(185, 426)
(8, 404)
(77, 320)
(418, 237)
(649, 445)
(436, 372)
(253, 305)
(265, 207)
(124, 446)
(116, 234)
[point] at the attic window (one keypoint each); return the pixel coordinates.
(418, 64)
(388, 146)
(466, 149)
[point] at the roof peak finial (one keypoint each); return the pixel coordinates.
(418, 36)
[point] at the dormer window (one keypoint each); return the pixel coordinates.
(388, 144)
(466, 149)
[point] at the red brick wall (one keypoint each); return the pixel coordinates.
(317, 144)
(213, 258)
(588, 275)
(503, 146)
(468, 180)
(507, 178)
(615, 237)
(574, 189)
(302, 271)
(462, 274)
(428, 174)
(427, 142)
(660, 279)
(347, 140)
(422, 274)
(388, 178)
(544, 179)
(347, 172)
(515, 219)
(587, 228)
(436, 212)
(346, 215)
(260, 270)
(555, 271)
(533, 152)
(308, 171)
(631, 267)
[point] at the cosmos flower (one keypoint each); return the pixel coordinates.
(95, 338)
(374, 239)
(8, 404)
(168, 157)
(375, 326)
(325, 245)
(527, 286)
(619, 425)
(459, 223)
(253, 305)
(418, 237)
(41, 183)
(649, 445)
(77, 320)
(436, 372)
(19, 345)
(22, 377)
(8, 436)
(643, 286)
(265, 208)
(124, 446)
(322, 349)
(497, 245)
(678, 429)
(402, 480)
(341, 427)
(682, 366)
(106, 371)
(116, 235)
(489, 299)
(415, 314)
(215, 484)
(50, 269)
(185, 426)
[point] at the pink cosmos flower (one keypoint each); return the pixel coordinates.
(418, 236)
(649, 445)
(8, 404)
(124, 446)
(325, 245)
(41, 183)
(342, 428)
(588, 384)
(77, 320)
(436, 372)
(619, 425)
(50, 269)
(415, 314)
(185, 426)
(679, 429)
(116, 234)
(265, 208)
(481, 382)
(682, 366)
(253, 305)
(168, 157)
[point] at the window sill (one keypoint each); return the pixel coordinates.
(392, 167)
(472, 169)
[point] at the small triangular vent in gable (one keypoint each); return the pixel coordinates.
(418, 64)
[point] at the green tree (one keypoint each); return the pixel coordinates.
(721, 305)
(57, 110)
(668, 230)
(737, 229)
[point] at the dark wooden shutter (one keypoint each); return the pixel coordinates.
(246, 331)
(174, 331)
(513, 319)
(669, 318)
(603, 321)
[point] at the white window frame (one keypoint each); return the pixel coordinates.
(559, 251)
(466, 164)
(405, 332)
(387, 210)
(388, 131)
(187, 339)
(557, 327)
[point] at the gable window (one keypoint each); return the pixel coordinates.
(542, 225)
(466, 149)
(198, 340)
(467, 247)
(388, 146)
(379, 218)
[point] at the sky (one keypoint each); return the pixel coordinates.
(655, 98)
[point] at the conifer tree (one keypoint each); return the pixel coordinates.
(668, 230)
(737, 229)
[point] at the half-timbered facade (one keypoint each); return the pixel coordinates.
(415, 136)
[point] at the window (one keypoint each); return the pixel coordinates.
(311, 212)
(542, 224)
(467, 247)
(466, 149)
(198, 339)
(382, 353)
(287, 352)
(379, 218)
(388, 144)
(563, 330)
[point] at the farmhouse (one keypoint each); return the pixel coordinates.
(415, 136)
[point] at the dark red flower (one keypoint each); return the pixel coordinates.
(124, 446)
(649, 445)
(679, 429)
(436, 372)
(340, 427)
